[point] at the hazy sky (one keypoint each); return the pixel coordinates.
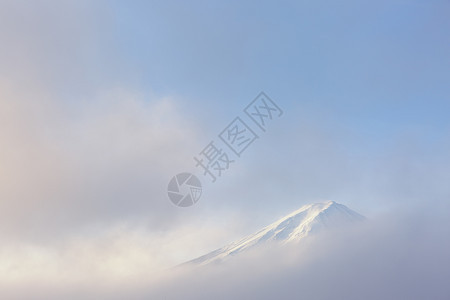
(102, 102)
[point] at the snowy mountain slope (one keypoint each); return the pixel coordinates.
(294, 227)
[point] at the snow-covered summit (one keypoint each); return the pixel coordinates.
(294, 227)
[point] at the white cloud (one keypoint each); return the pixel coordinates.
(388, 258)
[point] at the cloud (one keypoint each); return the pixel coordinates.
(94, 218)
(85, 161)
(114, 156)
(85, 155)
(390, 257)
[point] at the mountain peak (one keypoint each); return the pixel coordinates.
(294, 227)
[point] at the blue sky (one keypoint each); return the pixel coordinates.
(362, 83)
(378, 67)
(367, 63)
(374, 75)
(359, 81)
